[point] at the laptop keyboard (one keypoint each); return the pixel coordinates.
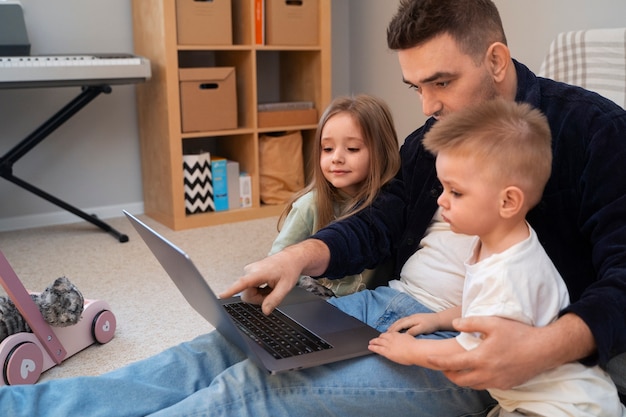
(279, 335)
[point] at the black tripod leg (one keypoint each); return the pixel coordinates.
(70, 109)
(49, 197)
(38, 135)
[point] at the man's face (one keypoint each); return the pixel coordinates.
(445, 78)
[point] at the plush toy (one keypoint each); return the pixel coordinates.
(61, 305)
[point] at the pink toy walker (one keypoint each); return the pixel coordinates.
(25, 356)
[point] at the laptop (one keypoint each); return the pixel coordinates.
(303, 331)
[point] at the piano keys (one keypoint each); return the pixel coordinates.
(72, 70)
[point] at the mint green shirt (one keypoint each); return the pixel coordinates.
(298, 226)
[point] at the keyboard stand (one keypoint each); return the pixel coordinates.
(87, 94)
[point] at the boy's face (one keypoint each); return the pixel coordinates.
(471, 199)
(445, 78)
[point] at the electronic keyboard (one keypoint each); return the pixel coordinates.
(72, 70)
(94, 74)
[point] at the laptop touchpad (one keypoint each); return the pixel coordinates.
(320, 317)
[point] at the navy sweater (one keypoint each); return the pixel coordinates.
(581, 220)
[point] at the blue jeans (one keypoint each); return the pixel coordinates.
(210, 377)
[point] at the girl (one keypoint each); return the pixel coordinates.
(356, 154)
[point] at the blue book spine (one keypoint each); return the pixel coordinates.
(220, 183)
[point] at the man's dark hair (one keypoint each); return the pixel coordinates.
(473, 24)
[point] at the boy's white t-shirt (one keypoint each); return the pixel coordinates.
(434, 274)
(522, 284)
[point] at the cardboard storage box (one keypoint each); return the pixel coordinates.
(208, 98)
(204, 22)
(287, 118)
(292, 22)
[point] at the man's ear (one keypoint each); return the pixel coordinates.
(498, 59)
(511, 201)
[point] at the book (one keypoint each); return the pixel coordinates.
(245, 189)
(232, 177)
(259, 22)
(285, 105)
(220, 182)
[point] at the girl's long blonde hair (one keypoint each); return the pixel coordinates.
(374, 118)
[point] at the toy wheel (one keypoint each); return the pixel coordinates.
(103, 327)
(23, 365)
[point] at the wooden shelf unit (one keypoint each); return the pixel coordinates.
(284, 73)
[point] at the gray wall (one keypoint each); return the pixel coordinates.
(530, 26)
(93, 161)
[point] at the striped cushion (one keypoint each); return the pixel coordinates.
(593, 59)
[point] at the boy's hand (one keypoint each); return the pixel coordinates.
(415, 324)
(394, 346)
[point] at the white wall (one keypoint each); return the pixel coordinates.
(371, 66)
(93, 161)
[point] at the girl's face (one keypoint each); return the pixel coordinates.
(344, 159)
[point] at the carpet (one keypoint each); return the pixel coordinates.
(151, 314)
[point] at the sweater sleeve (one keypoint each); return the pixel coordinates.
(580, 220)
(602, 217)
(365, 240)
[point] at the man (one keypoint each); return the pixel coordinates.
(454, 54)
(580, 220)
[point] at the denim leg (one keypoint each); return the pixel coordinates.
(368, 386)
(210, 377)
(381, 307)
(134, 390)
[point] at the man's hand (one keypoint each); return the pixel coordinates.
(511, 353)
(269, 280)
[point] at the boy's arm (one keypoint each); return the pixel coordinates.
(447, 316)
(427, 322)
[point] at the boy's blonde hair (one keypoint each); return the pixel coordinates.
(374, 118)
(511, 140)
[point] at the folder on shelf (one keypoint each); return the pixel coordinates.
(197, 183)
(259, 22)
(245, 189)
(232, 178)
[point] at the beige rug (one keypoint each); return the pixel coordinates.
(150, 312)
